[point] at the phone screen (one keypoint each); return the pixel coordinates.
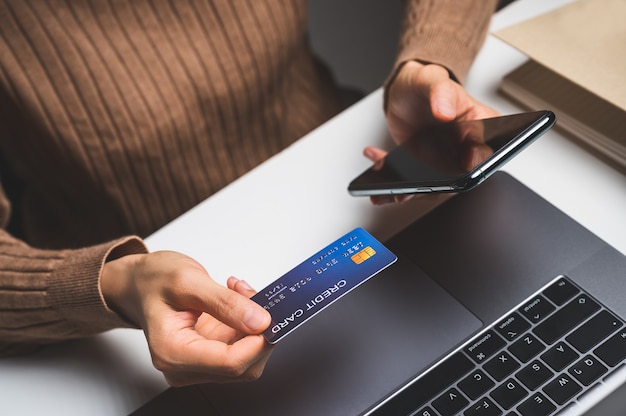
(452, 157)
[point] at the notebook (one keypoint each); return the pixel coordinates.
(589, 100)
(499, 304)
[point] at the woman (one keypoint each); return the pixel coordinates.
(117, 116)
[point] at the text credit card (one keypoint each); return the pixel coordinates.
(319, 281)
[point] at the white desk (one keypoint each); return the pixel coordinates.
(288, 208)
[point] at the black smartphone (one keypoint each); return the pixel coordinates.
(453, 156)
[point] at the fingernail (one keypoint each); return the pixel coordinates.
(245, 285)
(446, 109)
(255, 318)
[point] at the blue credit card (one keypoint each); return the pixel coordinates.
(321, 280)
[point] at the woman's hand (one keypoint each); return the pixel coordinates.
(420, 95)
(197, 330)
(424, 94)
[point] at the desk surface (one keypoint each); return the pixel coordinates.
(294, 204)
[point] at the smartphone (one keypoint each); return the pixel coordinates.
(453, 156)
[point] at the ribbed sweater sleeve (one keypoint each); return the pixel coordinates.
(52, 295)
(446, 32)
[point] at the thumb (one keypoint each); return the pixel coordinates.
(443, 100)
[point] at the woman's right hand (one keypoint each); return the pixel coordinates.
(198, 331)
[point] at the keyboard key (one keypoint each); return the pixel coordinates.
(501, 366)
(594, 331)
(565, 319)
(534, 375)
(536, 405)
(561, 291)
(512, 326)
(588, 370)
(613, 351)
(509, 393)
(430, 385)
(476, 384)
(526, 348)
(427, 411)
(484, 407)
(536, 309)
(562, 389)
(484, 346)
(450, 402)
(560, 356)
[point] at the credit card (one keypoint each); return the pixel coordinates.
(321, 280)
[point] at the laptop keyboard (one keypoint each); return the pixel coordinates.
(535, 361)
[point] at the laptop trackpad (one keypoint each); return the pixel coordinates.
(356, 351)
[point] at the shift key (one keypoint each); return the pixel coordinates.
(564, 320)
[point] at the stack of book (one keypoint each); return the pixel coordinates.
(576, 68)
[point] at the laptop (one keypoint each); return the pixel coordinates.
(499, 304)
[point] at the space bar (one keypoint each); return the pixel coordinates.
(426, 388)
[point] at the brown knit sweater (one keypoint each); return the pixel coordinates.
(117, 116)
